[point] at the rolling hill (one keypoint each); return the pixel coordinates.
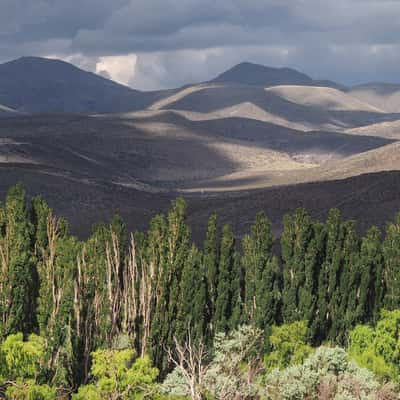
(389, 129)
(327, 109)
(325, 98)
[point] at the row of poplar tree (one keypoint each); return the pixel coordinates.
(152, 287)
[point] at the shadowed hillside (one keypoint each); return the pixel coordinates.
(170, 152)
(33, 84)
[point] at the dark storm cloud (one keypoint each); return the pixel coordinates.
(347, 40)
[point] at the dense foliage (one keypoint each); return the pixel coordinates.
(109, 314)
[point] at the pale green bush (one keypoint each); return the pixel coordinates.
(326, 375)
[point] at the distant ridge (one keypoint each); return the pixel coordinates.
(41, 85)
(34, 84)
(383, 95)
(247, 73)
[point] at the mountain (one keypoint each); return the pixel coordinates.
(247, 73)
(33, 84)
(254, 74)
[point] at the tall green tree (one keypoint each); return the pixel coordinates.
(365, 283)
(157, 250)
(295, 240)
(237, 292)
(342, 315)
(223, 306)
(262, 276)
(211, 261)
(269, 297)
(18, 280)
(313, 310)
(256, 249)
(192, 306)
(177, 246)
(329, 276)
(391, 277)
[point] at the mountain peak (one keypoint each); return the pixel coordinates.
(36, 84)
(40, 61)
(255, 74)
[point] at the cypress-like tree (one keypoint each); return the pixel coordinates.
(192, 305)
(257, 254)
(262, 277)
(344, 316)
(296, 237)
(314, 260)
(223, 306)
(329, 276)
(157, 256)
(211, 261)
(391, 251)
(237, 292)
(366, 283)
(177, 248)
(268, 298)
(18, 281)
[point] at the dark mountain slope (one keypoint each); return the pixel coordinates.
(34, 84)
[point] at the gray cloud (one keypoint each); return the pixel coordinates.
(179, 41)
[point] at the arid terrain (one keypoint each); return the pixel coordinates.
(264, 138)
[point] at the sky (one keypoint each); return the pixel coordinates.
(157, 44)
